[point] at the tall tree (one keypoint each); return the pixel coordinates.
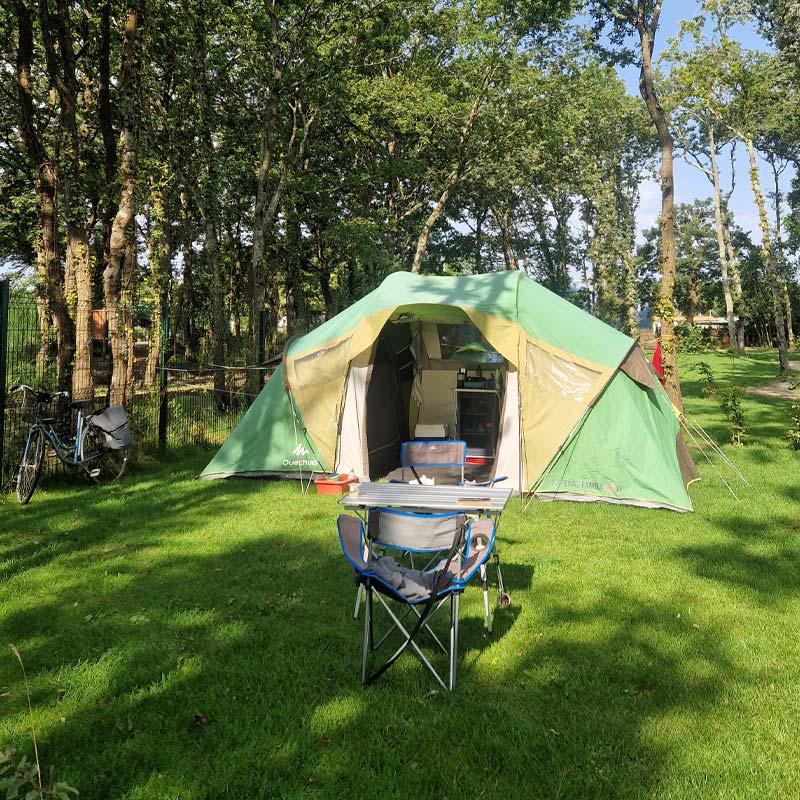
(118, 303)
(209, 194)
(63, 48)
(44, 168)
(641, 19)
(698, 90)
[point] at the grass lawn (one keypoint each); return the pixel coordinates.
(189, 639)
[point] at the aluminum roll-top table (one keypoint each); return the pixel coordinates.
(416, 497)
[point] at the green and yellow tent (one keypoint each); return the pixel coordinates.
(576, 411)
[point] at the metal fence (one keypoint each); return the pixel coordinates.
(173, 402)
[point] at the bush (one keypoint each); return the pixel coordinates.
(20, 779)
(707, 378)
(23, 779)
(690, 338)
(793, 434)
(730, 401)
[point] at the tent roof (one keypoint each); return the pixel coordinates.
(510, 296)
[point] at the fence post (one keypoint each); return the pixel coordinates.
(162, 379)
(5, 291)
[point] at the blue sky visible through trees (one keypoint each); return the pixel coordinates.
(690, 183)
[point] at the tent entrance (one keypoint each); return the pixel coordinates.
(431, 380)
(391, 374)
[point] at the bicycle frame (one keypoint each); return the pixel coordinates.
(68, 453)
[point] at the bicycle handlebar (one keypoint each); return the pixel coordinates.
(41, 396)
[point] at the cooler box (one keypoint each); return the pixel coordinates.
(479, 455)
(334, 484)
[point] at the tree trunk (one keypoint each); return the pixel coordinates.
(262, 218)
(787, 307)
(257, 273)
(61, 72)
(509, 255)
(105, 118)
(265, 219)
(736, 281)
(562, 210)
(692, 294)
(723, 256)
(187, 298)
(208, 206)
(48, 267)
(219, 330)
(631, 295)
(160, 256)
(49, 275)
(767, 259)
(324, 272)
(127, 299)
(78, 259)
(781, 261)
(293, 258)
(603, 249)
(539, 216)
(665, 306)
(480, 218)
(119, 336)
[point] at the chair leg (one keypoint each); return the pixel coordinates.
(359, 595)
(408, 642)
(454, 604)
(485, 588)
(367, 634)
(503, 598)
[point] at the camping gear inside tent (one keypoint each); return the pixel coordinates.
(564, 405)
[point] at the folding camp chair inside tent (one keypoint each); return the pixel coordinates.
(580, 415)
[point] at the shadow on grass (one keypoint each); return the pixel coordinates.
(759, 556)
(162, 674)
(55, 525)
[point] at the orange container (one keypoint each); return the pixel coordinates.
(335, 485)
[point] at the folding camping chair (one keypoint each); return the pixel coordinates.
(464, 547)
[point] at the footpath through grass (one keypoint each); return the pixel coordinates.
(190, 639)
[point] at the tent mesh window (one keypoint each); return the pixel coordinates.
(322, 365)
(552, 374)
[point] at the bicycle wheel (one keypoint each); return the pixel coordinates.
(102, 464)
(31, 466)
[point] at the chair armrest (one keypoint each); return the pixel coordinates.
(476, 554)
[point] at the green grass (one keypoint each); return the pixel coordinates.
(190, 639)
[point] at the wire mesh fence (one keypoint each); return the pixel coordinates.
(176, 394)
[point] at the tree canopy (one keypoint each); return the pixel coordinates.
(255, 166)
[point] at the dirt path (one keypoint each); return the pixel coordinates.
(779, 389)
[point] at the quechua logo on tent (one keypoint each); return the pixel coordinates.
(300, 461)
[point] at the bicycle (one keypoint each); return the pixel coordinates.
(100, 447)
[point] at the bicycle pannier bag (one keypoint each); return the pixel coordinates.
(114, 424)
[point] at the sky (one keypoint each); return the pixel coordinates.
(690, 183)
